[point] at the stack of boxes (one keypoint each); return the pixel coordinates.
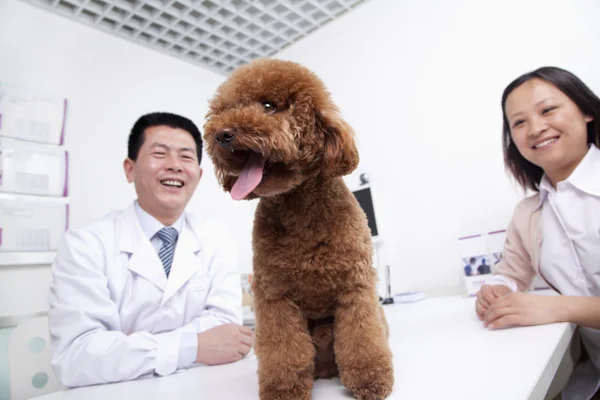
(34, 202)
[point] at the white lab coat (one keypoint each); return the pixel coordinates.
(114, 316)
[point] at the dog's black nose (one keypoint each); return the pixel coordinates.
(225, 137)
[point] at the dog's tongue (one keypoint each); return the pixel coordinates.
(249, 178)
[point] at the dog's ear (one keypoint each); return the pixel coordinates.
(341, 155)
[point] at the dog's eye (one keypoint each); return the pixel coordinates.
(269, 107)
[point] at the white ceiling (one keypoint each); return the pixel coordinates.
(215, 34)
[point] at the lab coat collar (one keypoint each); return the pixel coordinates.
(185, 262)
(144, 260)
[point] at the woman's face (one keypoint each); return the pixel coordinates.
(547, 127)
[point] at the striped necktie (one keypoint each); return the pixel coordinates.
(169, 238)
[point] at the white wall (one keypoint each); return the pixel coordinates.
(421, 82)
(109, 83)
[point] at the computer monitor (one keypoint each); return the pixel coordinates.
(364, 197)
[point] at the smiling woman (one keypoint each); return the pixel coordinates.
(541, 109)
(551, 133)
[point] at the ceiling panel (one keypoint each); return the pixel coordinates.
(218, 35)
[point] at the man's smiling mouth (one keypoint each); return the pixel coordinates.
(172, 183)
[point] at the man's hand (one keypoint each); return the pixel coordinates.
(487, 296)
(223, 344)
(522, 309)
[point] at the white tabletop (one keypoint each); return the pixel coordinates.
(441, 351)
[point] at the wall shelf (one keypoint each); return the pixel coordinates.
(27, 258)
(7, 321)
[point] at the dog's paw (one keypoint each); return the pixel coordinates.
(369, 382)
(295, 392)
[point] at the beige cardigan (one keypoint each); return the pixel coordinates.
(521, 255)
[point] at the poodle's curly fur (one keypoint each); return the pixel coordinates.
(315, 298)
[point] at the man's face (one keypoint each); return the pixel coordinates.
(166, 172)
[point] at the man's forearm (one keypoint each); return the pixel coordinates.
(112, 356)
(580, 310)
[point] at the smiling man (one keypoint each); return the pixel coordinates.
(152, 288)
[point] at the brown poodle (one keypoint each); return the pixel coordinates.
(273, 133)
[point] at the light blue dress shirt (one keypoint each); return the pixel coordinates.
(188, 348)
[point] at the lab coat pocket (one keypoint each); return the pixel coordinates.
(197, 292)
(198, 283)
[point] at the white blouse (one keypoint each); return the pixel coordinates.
(570, 254)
